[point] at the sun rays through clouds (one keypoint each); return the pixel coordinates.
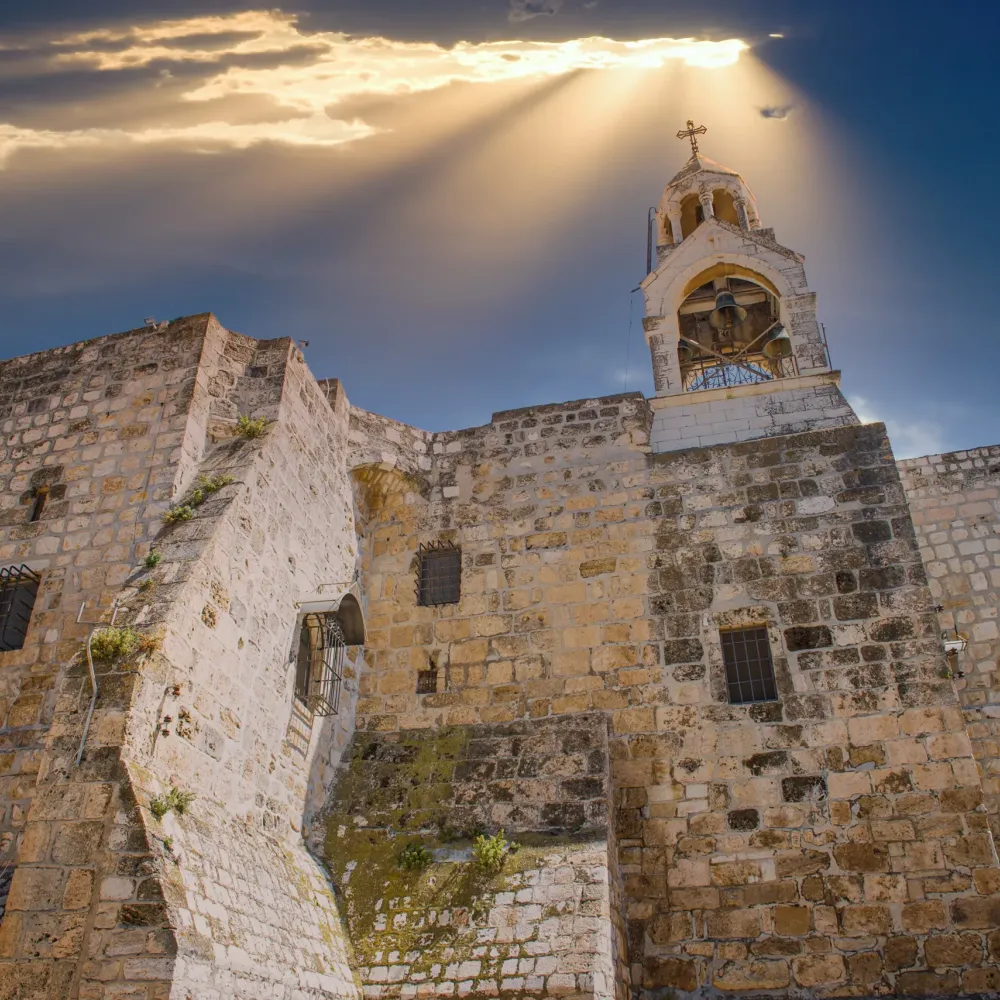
(260, 77)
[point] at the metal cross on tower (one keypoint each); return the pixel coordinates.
(692, 133)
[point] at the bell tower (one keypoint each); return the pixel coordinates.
(731, 324)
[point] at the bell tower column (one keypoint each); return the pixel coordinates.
(741, 213)
(674, 215)
(705, 197)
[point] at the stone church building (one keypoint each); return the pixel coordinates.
(275, 670)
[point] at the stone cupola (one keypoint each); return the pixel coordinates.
(703, 189)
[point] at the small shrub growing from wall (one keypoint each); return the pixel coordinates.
(251, 427)
(174, 801)
(489, 854)
(414, 858)
(109, 645)
(207, 485)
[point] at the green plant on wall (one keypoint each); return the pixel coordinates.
(489, 854)
(414, 858)
(174, 800)
(115, 643)
(152, 560)
(184, 511)
(251, 427)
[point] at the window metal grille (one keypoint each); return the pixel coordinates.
(746, 653)
(319, 664)
(18, 590)
(427, 681)
(439, 574)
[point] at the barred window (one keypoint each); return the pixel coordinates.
(439, 574)
(18, 590)
(319, 663)
(746, 653)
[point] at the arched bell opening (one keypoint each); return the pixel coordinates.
(731, 334)
(724, 207)
(692, 215)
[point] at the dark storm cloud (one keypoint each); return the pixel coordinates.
(525, 10)
(778, 112)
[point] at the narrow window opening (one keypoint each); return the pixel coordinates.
(41, 495)
(746, 653)
(699, 214)
(439, 575)
(18, 590)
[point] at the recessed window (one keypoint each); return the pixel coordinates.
(18, 590)
(319, 663)
(439, 574)
(427, 681)
(41, 495)
(746, 653)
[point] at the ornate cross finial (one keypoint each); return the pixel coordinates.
(692, 133)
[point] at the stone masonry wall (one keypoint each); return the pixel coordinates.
(955, 503)
(104, 424)
(106, 901)
(542, 926)
(833, 841)
(251, 910)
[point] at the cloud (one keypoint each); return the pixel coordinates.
(909, 438)
(525, 10)
(779, 112)
(291, 81)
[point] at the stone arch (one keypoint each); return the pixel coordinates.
(692, 214)
(730, 264)
(724, 206)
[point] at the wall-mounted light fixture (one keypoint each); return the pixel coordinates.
(954, 645)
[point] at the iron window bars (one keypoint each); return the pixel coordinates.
(319, 665)
(18, 590)
(746, 653)
(439, 574)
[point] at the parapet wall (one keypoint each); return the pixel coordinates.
(955, 503)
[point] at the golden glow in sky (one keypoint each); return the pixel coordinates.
(290, 82)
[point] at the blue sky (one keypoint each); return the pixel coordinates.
(457, 231)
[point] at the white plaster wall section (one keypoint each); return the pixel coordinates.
(727, 419)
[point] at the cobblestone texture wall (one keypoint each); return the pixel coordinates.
(543, 926)
(833, 841)
(955, 503)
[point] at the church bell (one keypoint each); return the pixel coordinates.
(685, 351)
(778, 344)
(727, 314)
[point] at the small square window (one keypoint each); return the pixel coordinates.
(746, 653)
(18, 590)
(427, 681)
(439, 574)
